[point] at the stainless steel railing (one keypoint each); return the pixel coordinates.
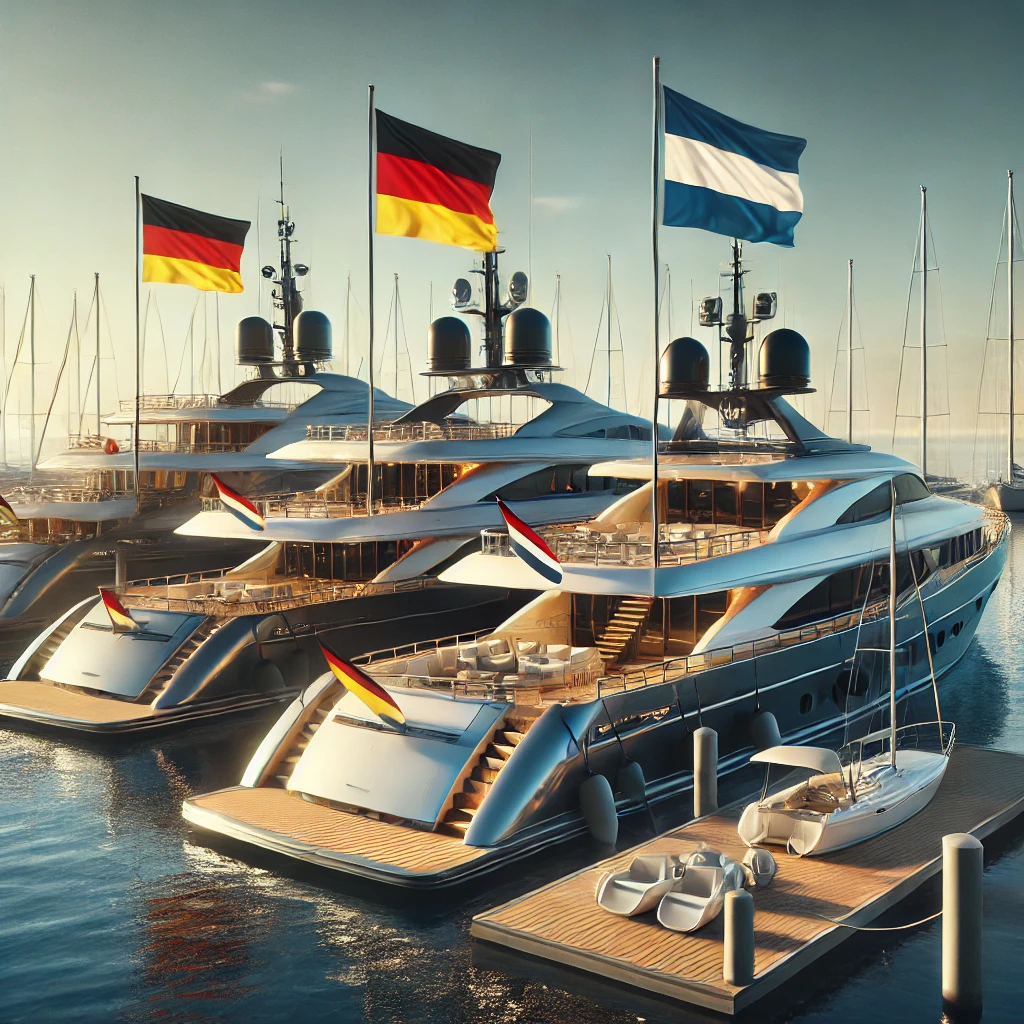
(415, 432)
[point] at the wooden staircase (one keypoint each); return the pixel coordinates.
(623, 627)
(286, 765)
(476, 787)
(156, 687)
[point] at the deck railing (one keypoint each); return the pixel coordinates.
(314, 506)
(415, 432)
(579, 546)
(170, 402)
(94, 442)
(260, 598)
(47, 493)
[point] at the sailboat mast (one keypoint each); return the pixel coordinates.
(395, 392)
(608, 327)
(348, 320)
(1010, 221)
(96, 308)
(849, 353)
(892, 624)
(558, 319)
(32, 372)
(924, 332)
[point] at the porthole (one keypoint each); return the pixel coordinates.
(806, 704)
(977, 605)
(941, 638)
(955, 628)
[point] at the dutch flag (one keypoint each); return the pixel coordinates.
(238, 505)
(728, 177)
(529, 547)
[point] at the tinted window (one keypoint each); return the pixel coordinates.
(840, 593)
(875, 503)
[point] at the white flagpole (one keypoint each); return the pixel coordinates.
(138, 341)
(369, 227)
(655, 210)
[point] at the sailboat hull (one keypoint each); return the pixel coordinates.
(1002, 496)
(889, 800)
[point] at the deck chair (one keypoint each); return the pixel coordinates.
(639, 889)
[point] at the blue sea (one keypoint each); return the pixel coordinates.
(112, 910)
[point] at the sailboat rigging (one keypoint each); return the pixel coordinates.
(852, 796)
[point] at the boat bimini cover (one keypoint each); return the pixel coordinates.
(815, 759)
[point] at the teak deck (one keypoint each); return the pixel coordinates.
(561, 922)
(23, 697)
(282, 818)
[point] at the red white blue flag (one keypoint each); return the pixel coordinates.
(529, 547)
(238, 505)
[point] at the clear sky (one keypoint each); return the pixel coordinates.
(199, 97)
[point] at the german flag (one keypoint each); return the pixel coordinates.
(7, 513)
(184, 246)
(371, 693)
(120, 618)
(432, 187)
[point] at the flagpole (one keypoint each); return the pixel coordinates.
(655, 185)
(369, 268)
(138, 342)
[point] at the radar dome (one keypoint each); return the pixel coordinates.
(685, 368)
(785, 360)
(449, 348)
(527, 338)
(312, 337)
(254, 341)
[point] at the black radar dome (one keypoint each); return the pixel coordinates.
(785, 360)
(685, 368)
(527, 338)
(449, 347)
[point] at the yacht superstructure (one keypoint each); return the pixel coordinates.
(772, 570)
(82, 521)
(360, 574)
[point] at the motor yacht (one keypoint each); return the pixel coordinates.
(361, 574)
(742, 610)
(81, 523)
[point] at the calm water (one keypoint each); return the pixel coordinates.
(110, 911)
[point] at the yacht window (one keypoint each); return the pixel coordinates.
(570, 479)
(910, 488)
(837, 594)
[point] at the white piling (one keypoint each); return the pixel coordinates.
(120, 572)
(705, 772)
(963, 859)
(738, 962)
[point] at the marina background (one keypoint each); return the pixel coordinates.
(200, 100)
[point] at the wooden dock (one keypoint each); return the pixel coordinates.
(561, 922)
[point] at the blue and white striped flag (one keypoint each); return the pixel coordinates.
(728, 177)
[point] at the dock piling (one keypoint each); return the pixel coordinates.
(738, 961)
(705, 772)
(963, 861)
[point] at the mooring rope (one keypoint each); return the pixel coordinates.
(869, 928)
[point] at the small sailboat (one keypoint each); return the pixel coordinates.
(873, 788)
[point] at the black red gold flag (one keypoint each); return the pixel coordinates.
(432, 187)
(185, 246)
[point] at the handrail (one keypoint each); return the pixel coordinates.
(50, 493)
(285, 594)
(424, 431)
(573, 546)
(95, 442)
(168, 402)
(302, 506)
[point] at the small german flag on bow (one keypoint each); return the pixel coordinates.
(372, 694)
(432, 187)
(185, 246)
(120, 617)
(7, 513)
